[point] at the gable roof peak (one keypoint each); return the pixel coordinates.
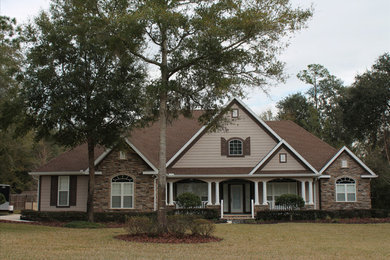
(350, 153)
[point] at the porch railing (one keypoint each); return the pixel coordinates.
(204, 203)
(272, 206)
(222, 208)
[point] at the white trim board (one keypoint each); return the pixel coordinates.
(282, 142)
(345, 149)
(185, 146)
(141, 155)
(63, 173)
(103, 155)
(242, 175)
(205, 126)
(265, 158)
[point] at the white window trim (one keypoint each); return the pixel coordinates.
(58, 191)
(345, 193)
(242, 147)
(132, 195)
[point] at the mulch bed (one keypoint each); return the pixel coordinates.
(168, 238)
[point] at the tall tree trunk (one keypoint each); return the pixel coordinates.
(91, 180)
(162, 171)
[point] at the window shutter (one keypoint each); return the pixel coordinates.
(247, 146)
(53, 190)
(223, 146)
(73, 191)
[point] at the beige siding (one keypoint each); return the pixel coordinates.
(274, 165)
(82, 194)
(207, 151)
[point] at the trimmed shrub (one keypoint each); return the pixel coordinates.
(141, 225)
(278, 215)
(83, 224)
(202, 227)
(179, 224)
(212, 214)
(290, 201)
(2, 198)
(188, 200)
(65, 216)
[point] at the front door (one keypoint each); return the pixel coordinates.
(236, 195)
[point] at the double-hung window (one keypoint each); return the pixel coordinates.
(63, 191)
(122, 192)
(345, 190)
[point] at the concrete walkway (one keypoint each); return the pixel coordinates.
(13, 217)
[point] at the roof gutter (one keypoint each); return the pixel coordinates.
(62, 173)
(171, 175)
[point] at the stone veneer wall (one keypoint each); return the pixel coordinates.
(354, 171)
(132, 166)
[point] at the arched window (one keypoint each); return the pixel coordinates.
(122, 192)
(235, 147)
(345, 190)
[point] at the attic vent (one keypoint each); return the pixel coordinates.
(234, 113)
(344, 163)
(122, 155)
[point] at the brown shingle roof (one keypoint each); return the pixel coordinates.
(146, 140)
(313, 149)
(178, 133)
(75, 159)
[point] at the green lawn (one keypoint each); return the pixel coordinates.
(272, 241)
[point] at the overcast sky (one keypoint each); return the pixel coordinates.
(346, 36)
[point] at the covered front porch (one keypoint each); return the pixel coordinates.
(244, 195)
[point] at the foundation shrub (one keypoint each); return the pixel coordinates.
(290, 201)
(65, 216)
(211, 214)
(49, 216)
(202, 227)
(141, 225)
(291, 215)
(188, 200)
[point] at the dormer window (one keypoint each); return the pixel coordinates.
(122, 155)
(235, 147)
(282, 157)
(344, 163)
(234, 113)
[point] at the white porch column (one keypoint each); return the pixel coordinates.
(209, 200)
(265, 193)
(303, 190)
(310, 192)
(217, 193)
(256, 192)
(170, 193)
